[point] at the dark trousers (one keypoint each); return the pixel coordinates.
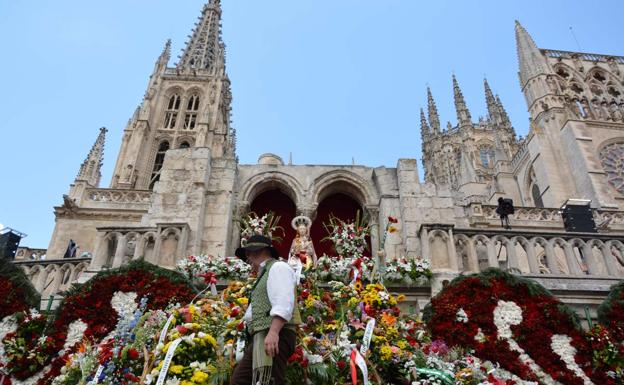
(243, 373)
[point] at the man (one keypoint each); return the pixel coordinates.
(271, 318)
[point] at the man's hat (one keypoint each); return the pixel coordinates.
(254, 243)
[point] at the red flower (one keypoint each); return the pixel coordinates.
(392, 219)
(235, 312)
(133, 354)
(341, 364)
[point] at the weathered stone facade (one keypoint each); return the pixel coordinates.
(178, 188)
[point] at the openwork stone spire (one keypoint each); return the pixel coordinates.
(90, 169)
(463, 115)
(530, 60)
(492, 106)
(205, 49)
(434, 118)
(424, 127)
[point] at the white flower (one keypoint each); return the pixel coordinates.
(173, 381)
(560, 344)
(75, 332)
(480, 337)
(461, 315)
(124, 303)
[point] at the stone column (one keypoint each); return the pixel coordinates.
(99, 253)
(533, 265)
(120, 251)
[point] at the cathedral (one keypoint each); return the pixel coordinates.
(178, 188)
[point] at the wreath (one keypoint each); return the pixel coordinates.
(517, 323)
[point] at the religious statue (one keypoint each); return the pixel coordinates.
(302, 250)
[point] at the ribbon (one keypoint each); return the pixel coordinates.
(163, 332)
(447, 379)
(357, 359)
(96, 376)
(368, 334)
(355, 277)
(210, 279)
(165, 368)
(240, 347)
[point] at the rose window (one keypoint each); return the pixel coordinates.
(612, 159)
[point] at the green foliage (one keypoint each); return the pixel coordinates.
(22, 291)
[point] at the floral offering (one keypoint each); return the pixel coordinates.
(207, 267)
(407, 271)
(267, 225)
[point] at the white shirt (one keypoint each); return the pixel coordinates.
(281, 290)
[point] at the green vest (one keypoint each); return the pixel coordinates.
(261, 305)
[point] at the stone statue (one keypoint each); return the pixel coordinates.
(302, 249)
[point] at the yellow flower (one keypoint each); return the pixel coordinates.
(385, 352)
(353, 302)
(243, 301)
(176, 369)
(401, 298)
(392, 229)
(210, 339)
(186, 382)
(402, 344)
(358, 285)
(199, 377)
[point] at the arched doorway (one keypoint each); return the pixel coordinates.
(281, 205)
(339, 205)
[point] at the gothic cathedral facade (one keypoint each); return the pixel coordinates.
(178, 188)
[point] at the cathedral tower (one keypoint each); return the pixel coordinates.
(184, 106)
(575, 140)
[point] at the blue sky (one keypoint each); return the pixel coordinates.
(328, 80)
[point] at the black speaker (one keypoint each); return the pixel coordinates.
(578, 219)
(9, 242)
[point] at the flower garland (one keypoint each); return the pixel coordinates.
(517, 323)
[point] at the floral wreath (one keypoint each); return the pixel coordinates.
(517, 323)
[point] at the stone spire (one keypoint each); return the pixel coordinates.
(424, 127)
(530, 60)
(492, 106)
(434, 118)
(463, 115)
(205, 50)
(504, 117)
(164, 57)
(90, 169)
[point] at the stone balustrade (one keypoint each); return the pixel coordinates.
(583, 56)
(557, 254)
(116, 198)
(52, 276)
(163, 245)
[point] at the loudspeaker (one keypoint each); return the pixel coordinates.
(578, 219)
(9, 242)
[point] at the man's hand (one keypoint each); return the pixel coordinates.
(271, 344)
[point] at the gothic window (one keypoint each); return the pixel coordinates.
(599, 76)
(171, 115)
(612, 159)
(158, 163)
(190, 118)
(487, 157)
(537, 196)
(185, 145)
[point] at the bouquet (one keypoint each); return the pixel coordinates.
(267, 225)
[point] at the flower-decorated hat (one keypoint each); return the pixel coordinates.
(254, 243)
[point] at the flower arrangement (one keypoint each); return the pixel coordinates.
(27, 348)
(343, 269)
(517, 323)
(223, 268)
(267, 225)
(407, 271)
(348, 238)
(18, 293)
